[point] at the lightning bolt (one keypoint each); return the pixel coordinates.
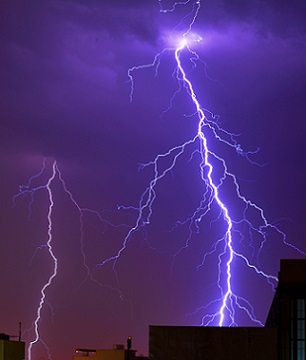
(24, 190)
(215, 176)
(31, 190)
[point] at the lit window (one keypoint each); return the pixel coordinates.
(297, 333)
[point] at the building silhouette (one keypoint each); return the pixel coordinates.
(282, 338)
(105, 354)
(11, 349)
(288, 311)
(118, 352)
(213, 343)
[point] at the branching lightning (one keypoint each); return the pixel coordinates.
(30, 190)
(210, 166)
(215, 176)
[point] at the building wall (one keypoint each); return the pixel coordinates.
(109, 354)
(288, 310)
(12, 350)
(212, 343)
(283, 337)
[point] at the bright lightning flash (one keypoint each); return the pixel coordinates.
(214, 174)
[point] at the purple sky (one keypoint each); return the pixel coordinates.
(65, 96)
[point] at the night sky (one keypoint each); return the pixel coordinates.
(65, 98)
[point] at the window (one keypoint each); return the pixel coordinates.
(297, 333)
